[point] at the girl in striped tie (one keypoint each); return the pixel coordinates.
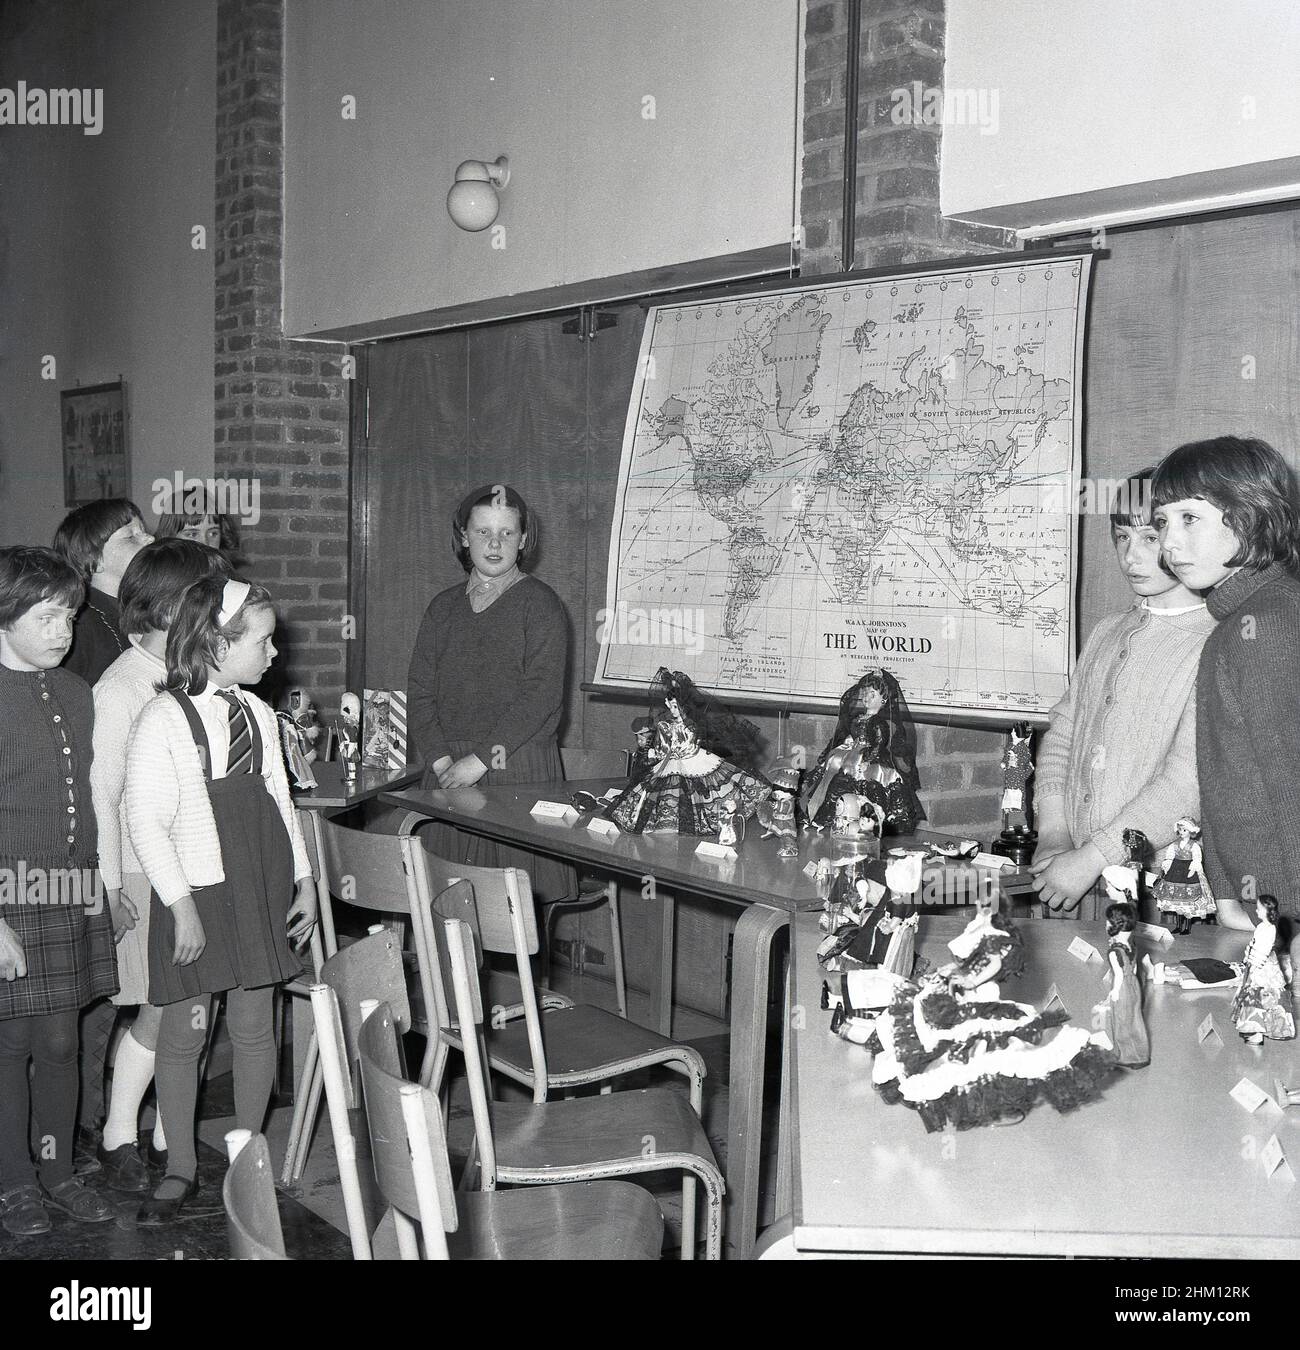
(212, 824)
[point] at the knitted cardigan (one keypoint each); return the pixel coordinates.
(1121, 750)
(1248, 738)
(168, 814)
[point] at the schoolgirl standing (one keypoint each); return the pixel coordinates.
(212, 824)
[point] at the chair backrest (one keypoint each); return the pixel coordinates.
(463, 959)
(408, 1145)
(490, 900)
(371, 968)
(379, 872)
(248, 1194)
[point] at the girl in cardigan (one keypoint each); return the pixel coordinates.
(55, 958)
(210, 819)
(1121, 749)
(485, 689)
(1228, 513)
(150, 593)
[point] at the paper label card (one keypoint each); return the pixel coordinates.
(1248, 1095)
(990, 860)
(1082, 951)
(1273, 1156)
(555, 811)
(810, 871)
(604, 827)
(1054, 1000)
(1207, 1033)
(708, 850)
(1156, 932)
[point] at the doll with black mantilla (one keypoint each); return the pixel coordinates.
(486, 681)
(871, 754)
(707, 759)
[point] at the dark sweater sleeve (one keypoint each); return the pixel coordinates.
(427, 732)
(540, 695)
(1266, 688)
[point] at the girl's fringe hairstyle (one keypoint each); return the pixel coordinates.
(195, 632)
(496, 494)
(1250, 483)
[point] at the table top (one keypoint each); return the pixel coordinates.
(1165, 1164)
(333, 793)
(757, 875)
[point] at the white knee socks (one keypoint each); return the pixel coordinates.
(132, 1074)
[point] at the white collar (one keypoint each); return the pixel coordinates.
(153, 660)
(1169, 613)
(213, 690)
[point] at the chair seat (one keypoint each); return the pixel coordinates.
(593, 1132)
(580, 1040)
(581, 1221)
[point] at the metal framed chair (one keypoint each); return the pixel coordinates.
(584, 1138)
(600, 1220)
(248, 1195)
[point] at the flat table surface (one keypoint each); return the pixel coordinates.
(1165, 1164)
(333, 792)
(756, 875)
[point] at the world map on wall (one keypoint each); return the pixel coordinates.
(819, 480)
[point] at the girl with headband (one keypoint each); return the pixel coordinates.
(212, 824)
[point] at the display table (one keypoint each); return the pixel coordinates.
(768, 889)
(1165, 1164)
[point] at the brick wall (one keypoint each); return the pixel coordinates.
(281, 406)
(897, 221)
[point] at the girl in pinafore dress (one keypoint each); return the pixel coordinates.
(150, 592)
(485, 689)
(1182, 893)
(56, 951)
(211, 821)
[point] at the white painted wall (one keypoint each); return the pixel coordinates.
(96, 264)
(596, 189)
(1110, 105)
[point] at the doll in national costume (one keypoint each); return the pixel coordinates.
(777, 813)
(1121, 1012)
(687, 789)
(961, 1057)
(872, 754)
(1262, 1006)
(1182, 893)
(1017, 769)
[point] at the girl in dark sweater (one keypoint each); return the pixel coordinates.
(56, 937)
(486, 682)
(1228, 514)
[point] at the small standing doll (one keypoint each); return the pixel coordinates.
(1262, 1006)
(1017, 769)
(1182, 893)
(872, 754)
(646, 755)
(731, 824)
(303, 712)
(777, 814)
(686, 791)
(1121, 1012)
(348, 731)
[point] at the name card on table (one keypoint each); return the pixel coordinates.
(1054, 1000)
(1207, 1033)
(991, 860)
(1081, 950)
(1249, 1095)
(1156, 932)
(1273, 1156)
(561, 811)
(606, 828)
(710, 850)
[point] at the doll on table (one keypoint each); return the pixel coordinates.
(1262, 1006)
(348, 731)
(1121, 1012)
(1182, 893)
(777, 813)
(871, 754)
(687, 789)
(646, 754)
(302, 712)
(987, 949)
(731, 824)
(1017, 769)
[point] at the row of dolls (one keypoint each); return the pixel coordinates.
(694, 770)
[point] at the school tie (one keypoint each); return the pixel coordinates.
(240, 757)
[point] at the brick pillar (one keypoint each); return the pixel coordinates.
(281, 406)
(897, 222)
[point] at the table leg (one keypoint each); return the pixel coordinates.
(784, 1180)
(662, 938)
(750, 963)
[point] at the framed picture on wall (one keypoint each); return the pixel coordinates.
(95, 463)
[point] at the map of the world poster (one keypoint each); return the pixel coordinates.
(881, 472)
